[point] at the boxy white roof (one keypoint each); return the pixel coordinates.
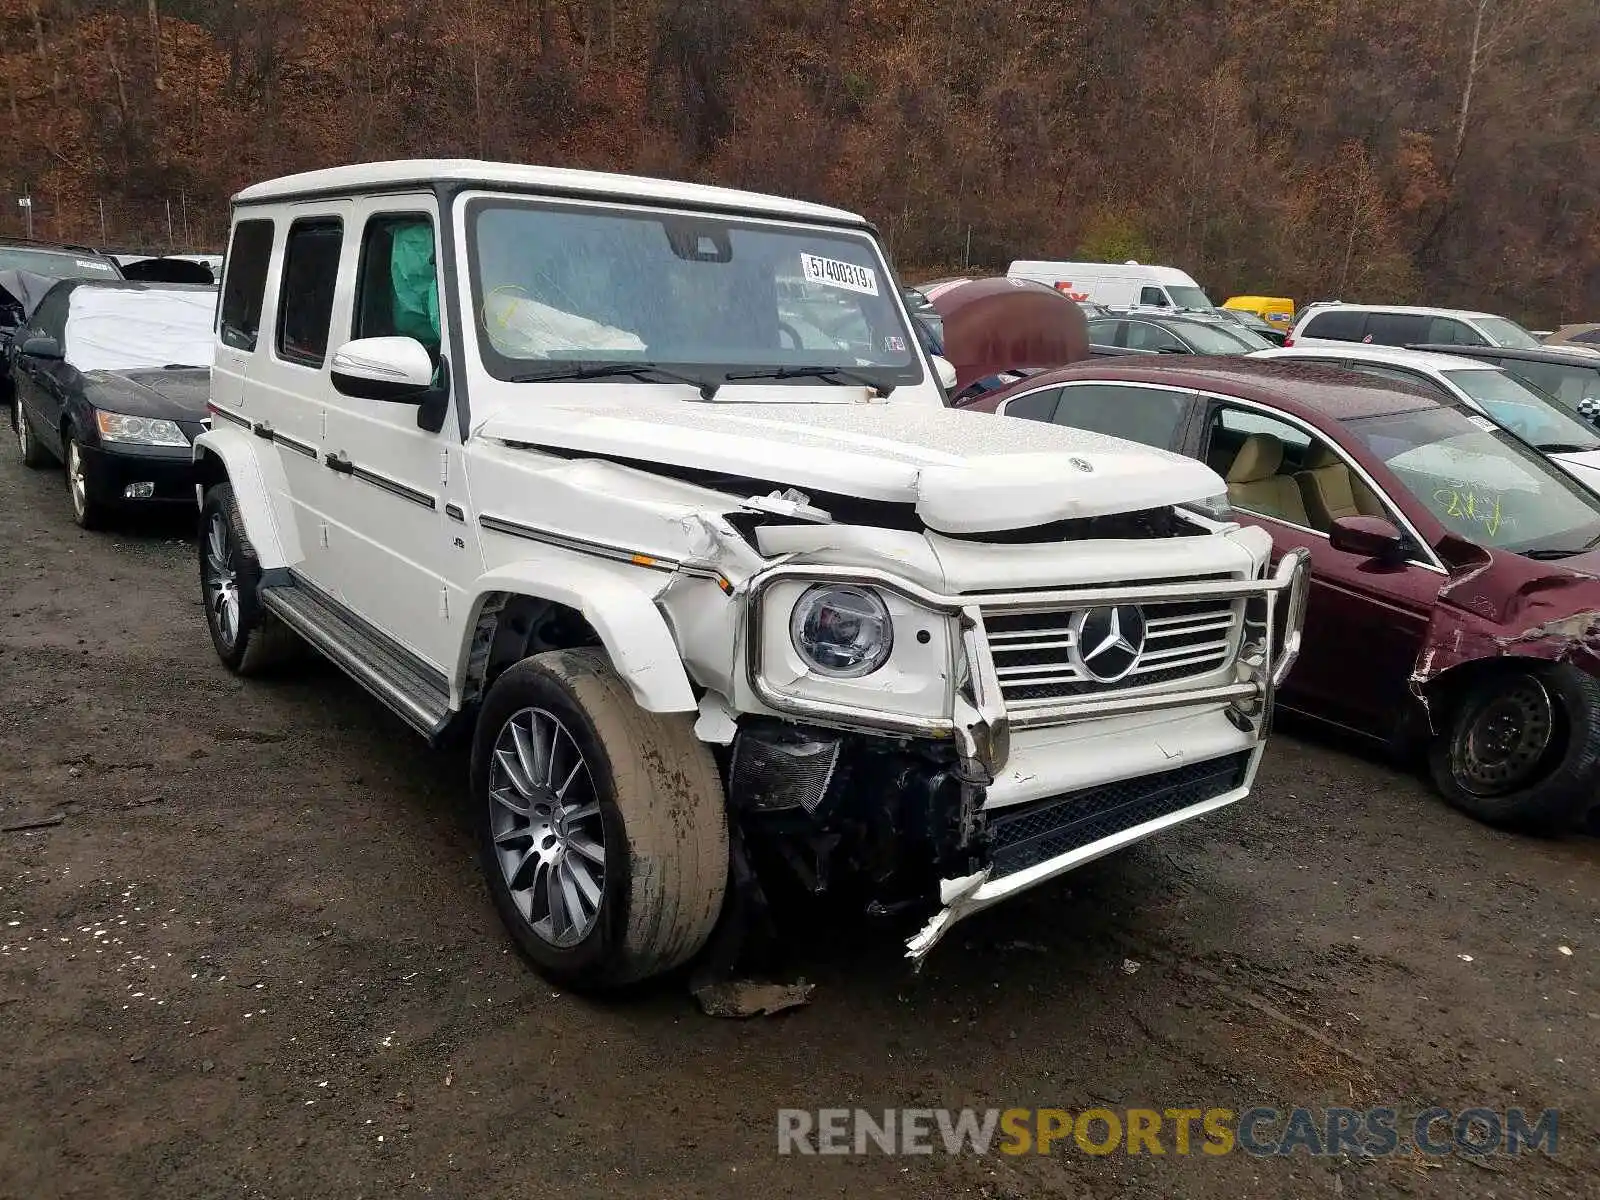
(425, 172)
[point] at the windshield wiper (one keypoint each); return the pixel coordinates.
(1546, 553)
(183, 367)
(1563, 447)
(838, 375)
(637, 370)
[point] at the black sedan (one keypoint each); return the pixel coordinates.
(112, 379)
(1570, 377)
(1155, 332)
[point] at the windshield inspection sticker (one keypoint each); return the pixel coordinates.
(833, 273)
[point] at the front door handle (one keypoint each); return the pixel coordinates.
(340, 462)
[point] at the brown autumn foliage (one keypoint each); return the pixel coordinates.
(1438, 150)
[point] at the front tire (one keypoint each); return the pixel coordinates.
(29, 450)
(88, 512)
(1521, 748)
(601, 827)
(248, 639)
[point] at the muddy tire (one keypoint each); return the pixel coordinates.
(88, 512)
(248, 639)
(601, 827)
(1520, 748)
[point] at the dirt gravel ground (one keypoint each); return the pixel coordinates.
(255, 959)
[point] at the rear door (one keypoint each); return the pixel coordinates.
(1332, 326)
(1395, 329)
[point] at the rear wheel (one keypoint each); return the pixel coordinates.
(601, 827)
(29, 450)
(248, 639)
(1521, 748)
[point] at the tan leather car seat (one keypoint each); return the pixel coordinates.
(1330, 490)
(1255, 485)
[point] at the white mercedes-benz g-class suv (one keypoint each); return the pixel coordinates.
(650, 489)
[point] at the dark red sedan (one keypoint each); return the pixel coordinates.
(1453, 600)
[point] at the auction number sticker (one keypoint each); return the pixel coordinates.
(830, 272)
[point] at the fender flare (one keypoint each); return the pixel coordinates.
(252, 487)
(635, 635)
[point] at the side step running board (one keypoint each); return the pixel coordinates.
(417, 692)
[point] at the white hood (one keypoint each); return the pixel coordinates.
(965, 472)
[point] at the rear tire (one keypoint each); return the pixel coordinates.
(611, 868)
(1521, 748)
(248, 639)
(29, 450)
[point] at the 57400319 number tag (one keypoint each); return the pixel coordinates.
(830, 272)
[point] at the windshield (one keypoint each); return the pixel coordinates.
(1220, 339)
(1502, 332)
(1482, 483)
(133, 329)
(709, 295)
(1189, 297)
(55, 264)
(1530, 414)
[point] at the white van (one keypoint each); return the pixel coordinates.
(1116, 284)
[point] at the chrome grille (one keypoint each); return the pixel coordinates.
(1183, 640)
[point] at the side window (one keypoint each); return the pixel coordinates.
(305, 303)
(1035, 406)
(1104, 333)
(1447, 331)
(1152, 295)
(245, 283)
(50, 318)
(1148, 415)
(1144, 336)
(397, 290)
(1339, 325)
(1396, 329)
(1275, 469)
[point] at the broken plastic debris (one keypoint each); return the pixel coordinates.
(1567, 950)
(1130, 966)
(1464, 957)
(746, 998)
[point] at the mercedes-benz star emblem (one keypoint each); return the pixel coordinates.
(1108, 641)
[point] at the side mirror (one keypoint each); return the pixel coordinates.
(395, 369)
(40, 347)
(1369, 538)
(946, 371)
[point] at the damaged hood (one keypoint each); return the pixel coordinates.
(964, 472)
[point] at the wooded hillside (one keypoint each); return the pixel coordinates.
(1446, 150)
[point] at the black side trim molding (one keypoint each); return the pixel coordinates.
(238, 419)
(341, 463)
(295, 444)
(566, 541)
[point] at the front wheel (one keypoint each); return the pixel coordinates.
(601, 827)
(87, 511)
(1521, 748)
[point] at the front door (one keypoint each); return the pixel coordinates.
(399, 498)
(1365, 622)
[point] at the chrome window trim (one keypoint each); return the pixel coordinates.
(1432, 564)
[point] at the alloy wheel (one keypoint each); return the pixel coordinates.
(548, 832)
(75, 480)
(1501, 746)
(220, 580)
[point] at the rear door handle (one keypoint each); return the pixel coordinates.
(340, 462)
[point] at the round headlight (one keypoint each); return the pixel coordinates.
(840, 631)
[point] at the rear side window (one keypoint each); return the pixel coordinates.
(1341, 326)
(305, 301)
(1144, 336)
(1036, 406)
(246, 283)
(1152, 295)
(1150, 416)
(1396, 329)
